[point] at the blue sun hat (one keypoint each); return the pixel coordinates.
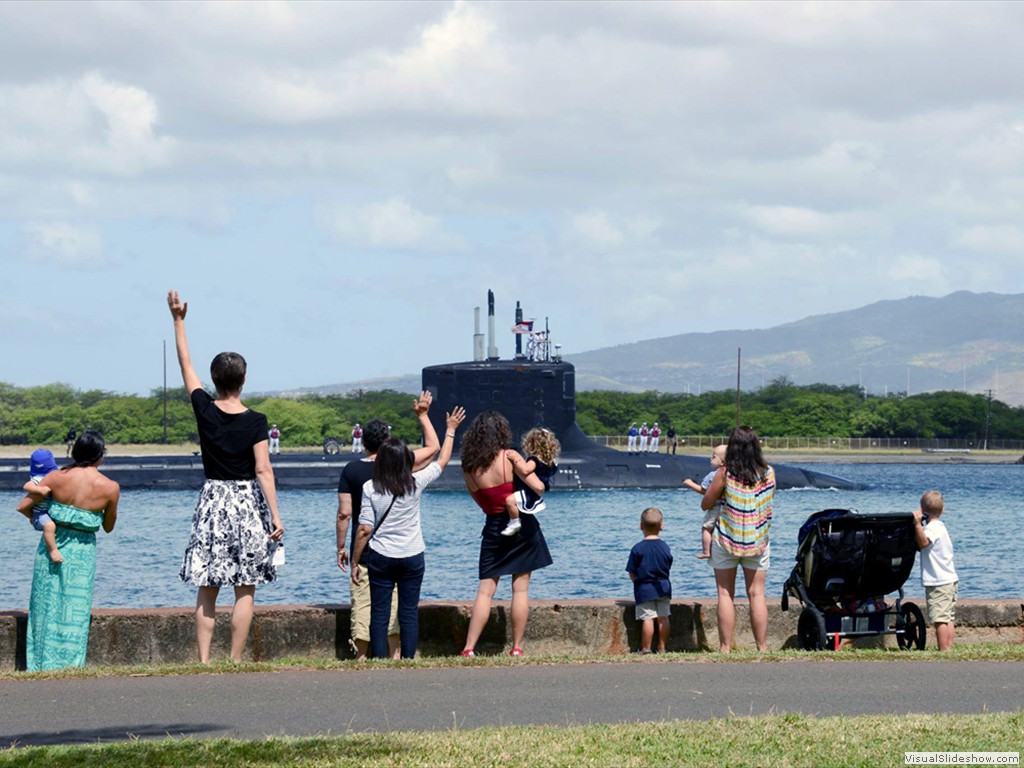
(42, 462)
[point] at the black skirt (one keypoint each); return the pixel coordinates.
(506, 555)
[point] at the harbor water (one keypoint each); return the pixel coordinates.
(589, 534)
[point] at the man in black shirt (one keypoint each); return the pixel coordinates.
(350, 496)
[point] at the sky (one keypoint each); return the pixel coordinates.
(333, 187)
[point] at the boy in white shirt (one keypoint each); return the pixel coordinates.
(938, 576)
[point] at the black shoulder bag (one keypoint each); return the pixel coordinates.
(381, 521)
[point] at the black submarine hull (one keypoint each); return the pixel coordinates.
(596, 468)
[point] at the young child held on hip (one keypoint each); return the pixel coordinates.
(41, 464)
(711, 516)
(649, 564)
(938, 575)
(531, 478)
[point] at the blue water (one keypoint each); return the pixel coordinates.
(589, 534)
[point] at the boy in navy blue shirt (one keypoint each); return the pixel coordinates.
(648, 566)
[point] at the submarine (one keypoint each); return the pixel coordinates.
(536, 388)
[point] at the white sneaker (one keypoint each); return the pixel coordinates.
(512, 528)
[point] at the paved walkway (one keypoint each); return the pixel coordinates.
(300, 703)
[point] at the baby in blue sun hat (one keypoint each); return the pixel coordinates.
(40, 465)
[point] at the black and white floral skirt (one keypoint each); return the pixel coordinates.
(229, 544)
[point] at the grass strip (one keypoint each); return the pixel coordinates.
(775, 741)
(975, 652)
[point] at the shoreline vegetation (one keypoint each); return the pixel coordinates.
(783, 414)
(774, 455)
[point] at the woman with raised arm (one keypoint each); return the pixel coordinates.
(389, 541)
(487, 466)
(236, 526)
(84, 500)
(740, 538)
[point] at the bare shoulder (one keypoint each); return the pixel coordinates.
(107, 486)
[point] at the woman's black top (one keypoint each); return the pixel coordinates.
(226, 439)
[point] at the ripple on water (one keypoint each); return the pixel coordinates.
(589, 534)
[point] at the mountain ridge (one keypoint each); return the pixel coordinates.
(962, 341)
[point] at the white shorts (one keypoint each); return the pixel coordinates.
(654, 609)
(723, 561)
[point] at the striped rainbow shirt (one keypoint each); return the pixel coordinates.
(746, 518)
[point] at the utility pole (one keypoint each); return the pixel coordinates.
(988, 419)
(165, 391)
(738, 358)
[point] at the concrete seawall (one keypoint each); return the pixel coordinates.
(166, 635)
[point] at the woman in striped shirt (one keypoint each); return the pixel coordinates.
(747, 485)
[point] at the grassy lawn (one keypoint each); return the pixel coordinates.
(779, 740)
(974, 652)
(786, 740)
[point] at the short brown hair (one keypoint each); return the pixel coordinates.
(228, 372)
(650, 519)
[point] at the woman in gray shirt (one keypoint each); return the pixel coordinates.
(389, 541)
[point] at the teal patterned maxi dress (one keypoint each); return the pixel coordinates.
(61, 604)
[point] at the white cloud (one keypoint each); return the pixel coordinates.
(65, 245)
(1006, 239)
(617, 163)
(796, 221)
(88, 126)
(391, 225)
(597, 229)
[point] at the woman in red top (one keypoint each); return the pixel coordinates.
(487, 465)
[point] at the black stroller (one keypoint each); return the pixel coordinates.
(846, 563)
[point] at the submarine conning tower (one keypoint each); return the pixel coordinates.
(534, 389)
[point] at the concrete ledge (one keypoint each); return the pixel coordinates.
(166, 635)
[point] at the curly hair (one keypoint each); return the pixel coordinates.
(488, 434)
(374, 434)
(543, 444)
(743, 457)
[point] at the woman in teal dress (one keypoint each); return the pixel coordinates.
(60, 608)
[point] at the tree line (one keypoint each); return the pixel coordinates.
(783, 409)
(42, 415)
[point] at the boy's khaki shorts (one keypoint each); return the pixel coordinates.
(941, 603)
(654, 609)
(360, 618)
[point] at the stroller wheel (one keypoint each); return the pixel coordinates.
(810, 629)
(915, 631)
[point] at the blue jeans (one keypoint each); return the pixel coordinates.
(385, 573)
